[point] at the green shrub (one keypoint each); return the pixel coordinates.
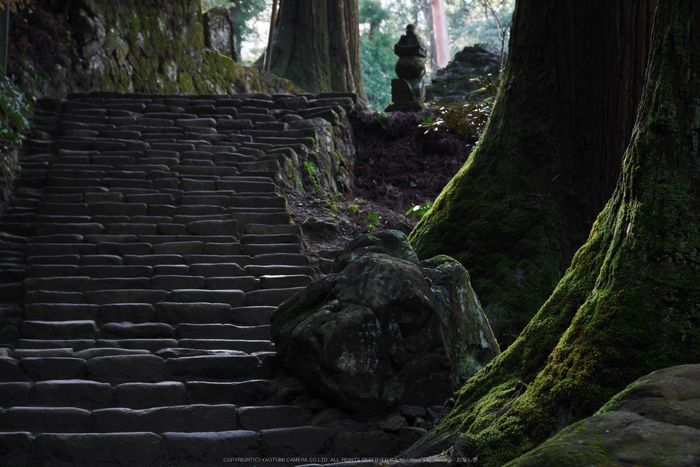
(467, 118)
(15, 110)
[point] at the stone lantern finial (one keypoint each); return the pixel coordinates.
(408, 92)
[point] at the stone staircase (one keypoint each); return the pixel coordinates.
(140, 259)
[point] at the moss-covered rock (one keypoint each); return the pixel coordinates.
(654, 421)
(384, 331)
(157, 48)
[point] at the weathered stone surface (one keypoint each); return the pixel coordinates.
(209, 448)
(45, 368)
(243, 392)
(193, 312)
(13, 394)
(45, 419)
(126, 368)
(358, 444)
(143, 395)
(266, 417)
(134, 449)
(185, 418)
(385, 331)
(297, 441)
(16, 448)
(72, 393)
(455, 82)
(654, 421)
(214, 366)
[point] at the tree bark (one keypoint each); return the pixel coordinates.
(427, 11)
(442, 41)
(549, 157)
(317, 45)
(628, 305)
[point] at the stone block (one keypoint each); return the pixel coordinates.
(297, 441)
(240, 392)
(267, 417)
(233, 298)
(182, 418)
(133, 312)
(143, 395)
(72, 393)
(208, 448)
(133, 449)
(214, 366)
(192, 312)
(47, 368)
(46, 419)
(126, 368)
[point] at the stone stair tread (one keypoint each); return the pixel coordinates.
(238, 392)
(44, 419)
(222, 331)
(255, 249)
(252, 315)
(267, 417)
(270, 296)
(151, 344)
(75, 344)
(52, 312)
(59, 352)
(82, 329)
(183, 418)
(214, 366)
(248, 346)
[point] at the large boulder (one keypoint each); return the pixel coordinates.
(384, 329)
(456, 82)
(654, 421)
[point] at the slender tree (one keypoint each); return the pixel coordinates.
(549, 158)
(317, 45)
(442, 42)
(628, 305)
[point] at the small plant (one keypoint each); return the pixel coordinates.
(418, 210)
(467, 118)
(372, 221)
(353, 209)
(311, 170)
(15, 109)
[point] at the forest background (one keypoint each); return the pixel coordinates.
(381, 24)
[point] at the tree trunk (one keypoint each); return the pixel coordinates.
(628, 305)
(427, 11)
(549, 157)
(442, 41)
(317, 45)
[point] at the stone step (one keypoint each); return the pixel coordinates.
(184, 419)
(148, 395)
(83, 394)
(270, 297)
(216, 367)
(266, 270)
(222, 331)
(257, 315)
(61, 312)
(254, 249)
(247, 346)
(83, 329)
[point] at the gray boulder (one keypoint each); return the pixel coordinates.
(654, 421)
(456, 82)
(384, 330)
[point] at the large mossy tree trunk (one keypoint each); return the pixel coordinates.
(317, 45)
(630, 302)
(549, 157)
